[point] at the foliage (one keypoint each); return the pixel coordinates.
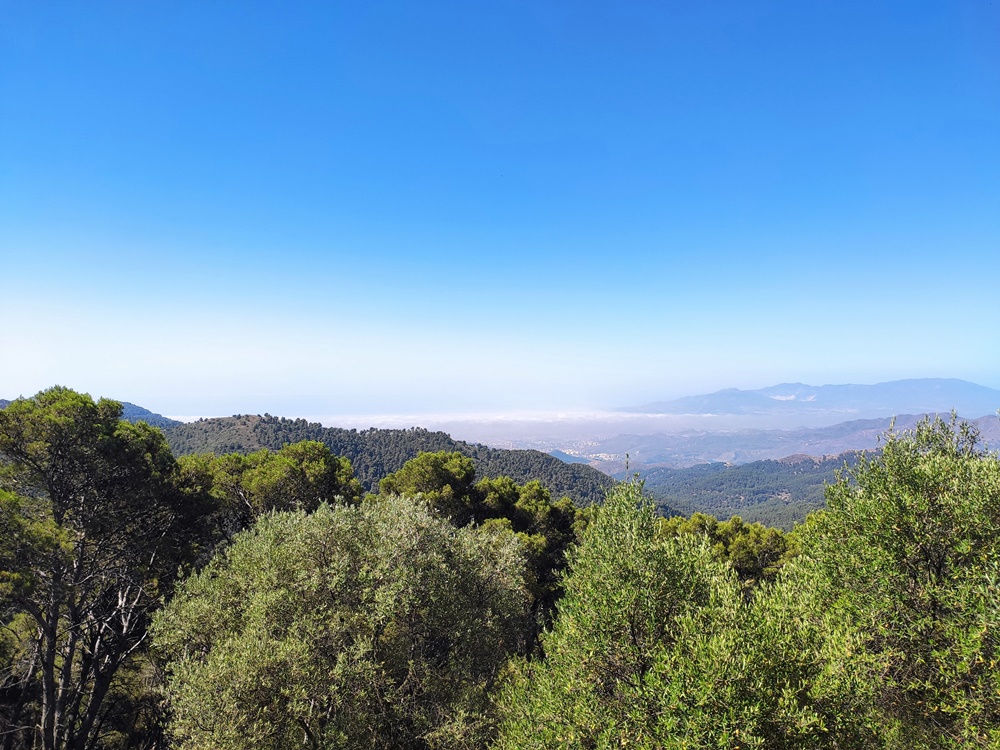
(446, 481)
(300, 476)
(377, 625)
(625, 590)
(92, 531)
(546, 528)
(755, 552)
(655, 646)
(769, 672)
(775, 493)
(374, 453)
(908, 555)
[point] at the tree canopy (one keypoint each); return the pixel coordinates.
(882, 633)
(299, 476)
(454, 611)
(755, 552)
(545, 528)
(379, 625)
(93, 529)
(908, 554)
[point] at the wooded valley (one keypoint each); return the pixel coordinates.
(309, 587)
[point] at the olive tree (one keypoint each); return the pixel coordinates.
(656, 644)
(624, 592)
(908, 553)
(375, 625)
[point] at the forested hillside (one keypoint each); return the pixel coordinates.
(99, 522)
(133, 413)
(776, 493)
(882, 633)
(262, 599)
(376, 453)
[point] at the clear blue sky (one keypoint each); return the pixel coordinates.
(211, 207)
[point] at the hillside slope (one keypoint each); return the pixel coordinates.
(374, 453)
(133, 413)
(777, 493)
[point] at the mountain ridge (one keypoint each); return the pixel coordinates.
(907, 396)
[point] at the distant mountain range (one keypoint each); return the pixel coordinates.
(914, 396)
(692, 447)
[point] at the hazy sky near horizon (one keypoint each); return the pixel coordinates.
(210, 208)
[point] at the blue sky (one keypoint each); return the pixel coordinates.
(377, 207)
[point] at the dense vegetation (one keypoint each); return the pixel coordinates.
(884, 632)
(376, 453)
(377, 625)
(238, 488)
(133, 413)
(94, 529)
(262, 599)
(98, 520)
(777, 493)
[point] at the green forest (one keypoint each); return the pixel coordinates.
(374, 453)
(776, 493)
(193, 594)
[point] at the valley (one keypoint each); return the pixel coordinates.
(766, 455)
